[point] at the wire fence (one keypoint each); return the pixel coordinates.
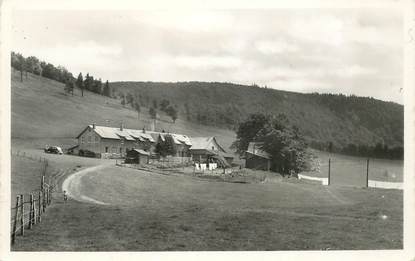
(358, 172)
(29, 207)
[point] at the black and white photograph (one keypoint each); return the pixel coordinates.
(177, 128)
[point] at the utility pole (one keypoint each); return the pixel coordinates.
(328, 180)
(367, 173)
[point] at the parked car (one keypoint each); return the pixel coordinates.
(87, 153)
(54, 150)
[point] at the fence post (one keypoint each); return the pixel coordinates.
(22, 214)
(39, 212)
(42, 183)
(43, 200)
(34, 211)
(49, 195)
(30, 213)
(328, 180)
(15, 220)
(367, 173)
(46, 196)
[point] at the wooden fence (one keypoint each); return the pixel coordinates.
(29, 208)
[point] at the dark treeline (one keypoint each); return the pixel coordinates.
(322, 118)
(59, 73)
(33, 65)
(379, 150)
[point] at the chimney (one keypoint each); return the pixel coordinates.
(93, 126)
(121, 127)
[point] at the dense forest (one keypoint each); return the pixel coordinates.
(348, 124)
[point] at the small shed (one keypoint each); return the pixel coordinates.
(256, 158)
(137, 156)
(73, 150)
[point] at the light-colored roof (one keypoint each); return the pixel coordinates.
(132, 134)
(204, 143)
(182, 139)
(254, 148)
(143, 152)
(178, 139)
(140, 135)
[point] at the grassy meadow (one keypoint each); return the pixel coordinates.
(149, 211)
(153, 212)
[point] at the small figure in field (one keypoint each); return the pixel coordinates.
(65, 196)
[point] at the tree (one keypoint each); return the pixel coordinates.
(166, 147)
(155, 104)
(80, 83)
(21, 65)
(283, 142)
(164, 104)
(89, 83)
(69, 86)
(248, 130)
(153, 113)
(137, 108)
(97, 86)
(106, 91)
(130, 99)
(172, 112)
(123, 100)
(33, 65)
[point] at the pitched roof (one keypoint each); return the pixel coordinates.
(203, 143)
(143, 152)
(254, 148)
(132, 134)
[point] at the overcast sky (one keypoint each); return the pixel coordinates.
(350, 51)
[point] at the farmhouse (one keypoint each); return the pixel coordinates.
(207, 149)
(115, 142)
(256, 158)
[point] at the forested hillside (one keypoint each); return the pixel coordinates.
(344, 121)
(349, 124)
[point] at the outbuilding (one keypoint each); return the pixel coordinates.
(207, 149)
(256, 158)
(137, 156)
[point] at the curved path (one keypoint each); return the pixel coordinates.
(72, 185)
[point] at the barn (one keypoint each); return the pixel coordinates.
(256, 158)
(207, 149)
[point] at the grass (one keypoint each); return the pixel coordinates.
(147, 212)
(350, 170)
(26, 175)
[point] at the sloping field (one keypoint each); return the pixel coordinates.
(148, 211)
(43, 114)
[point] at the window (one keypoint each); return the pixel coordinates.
(96, 139)
(89, 139)
(83, 140)
(120, 150)
(106, 149)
